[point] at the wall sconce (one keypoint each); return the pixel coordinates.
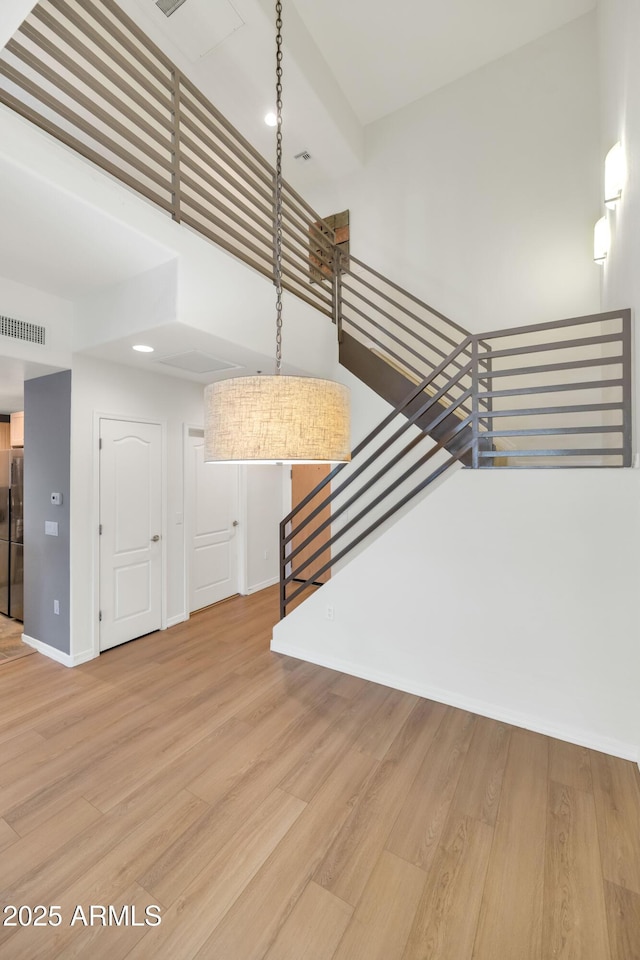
(614, 173)
(601, 240)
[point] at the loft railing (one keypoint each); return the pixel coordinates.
(584, 361)
(85, 73)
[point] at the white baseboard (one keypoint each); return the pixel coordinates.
(582, 738)
(174, 621)
(261, 586)
(66, 659)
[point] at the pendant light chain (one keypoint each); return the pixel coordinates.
(278, 189)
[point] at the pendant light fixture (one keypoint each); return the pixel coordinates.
(275, 419)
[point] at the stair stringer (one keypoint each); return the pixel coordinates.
(390, 384)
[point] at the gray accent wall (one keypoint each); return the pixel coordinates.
(47, 451)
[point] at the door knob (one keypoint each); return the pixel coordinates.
(155, 538)
(235, 523)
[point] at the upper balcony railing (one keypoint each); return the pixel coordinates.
(85, 73)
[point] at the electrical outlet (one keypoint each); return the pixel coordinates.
(56, 607)
(330, 612)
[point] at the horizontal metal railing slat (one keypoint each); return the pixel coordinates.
(551, 388)
(553, 452)
(553, 345)
(557, 324)
(551, 367)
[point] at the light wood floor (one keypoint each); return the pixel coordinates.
(278, 810)
(11, 643)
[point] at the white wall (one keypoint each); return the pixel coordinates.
(512, 594)
(134, 305)
(265, 508)
(201, 285)
(619, 36)
(99, 387)
(480, 198)
(34, 306)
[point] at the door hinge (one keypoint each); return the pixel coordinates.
(100, 615)
(100, 444)
(100, 530)
(291, 473)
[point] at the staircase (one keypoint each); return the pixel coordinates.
(549, 395)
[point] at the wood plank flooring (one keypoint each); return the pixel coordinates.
(12, 646)
(275, 810)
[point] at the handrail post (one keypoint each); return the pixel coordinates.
(474, 401)
(627, 402)
(283, 570)
(488, 368)
(337, 291)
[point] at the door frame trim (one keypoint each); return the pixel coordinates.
(99, 415)
(197, 429)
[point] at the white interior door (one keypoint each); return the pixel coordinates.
(212, 510)
(131, 526)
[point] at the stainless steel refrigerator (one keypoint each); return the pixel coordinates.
(11, 533)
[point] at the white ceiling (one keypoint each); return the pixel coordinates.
(377, 56)
(387, 55)
(173, 340)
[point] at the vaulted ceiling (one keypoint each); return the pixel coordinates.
(347, 64)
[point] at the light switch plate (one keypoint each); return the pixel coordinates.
(50, 528)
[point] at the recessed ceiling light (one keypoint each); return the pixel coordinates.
(271, 120)
(143, 348)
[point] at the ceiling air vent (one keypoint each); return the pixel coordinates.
(169, 6)
(196, 362)
(21, 330)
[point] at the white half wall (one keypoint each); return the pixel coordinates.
(512, 594)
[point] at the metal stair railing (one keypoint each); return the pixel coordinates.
(400, 328)
(593, 429)
(560, 393)
(382, 465)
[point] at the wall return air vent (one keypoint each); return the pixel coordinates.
(21, 330)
